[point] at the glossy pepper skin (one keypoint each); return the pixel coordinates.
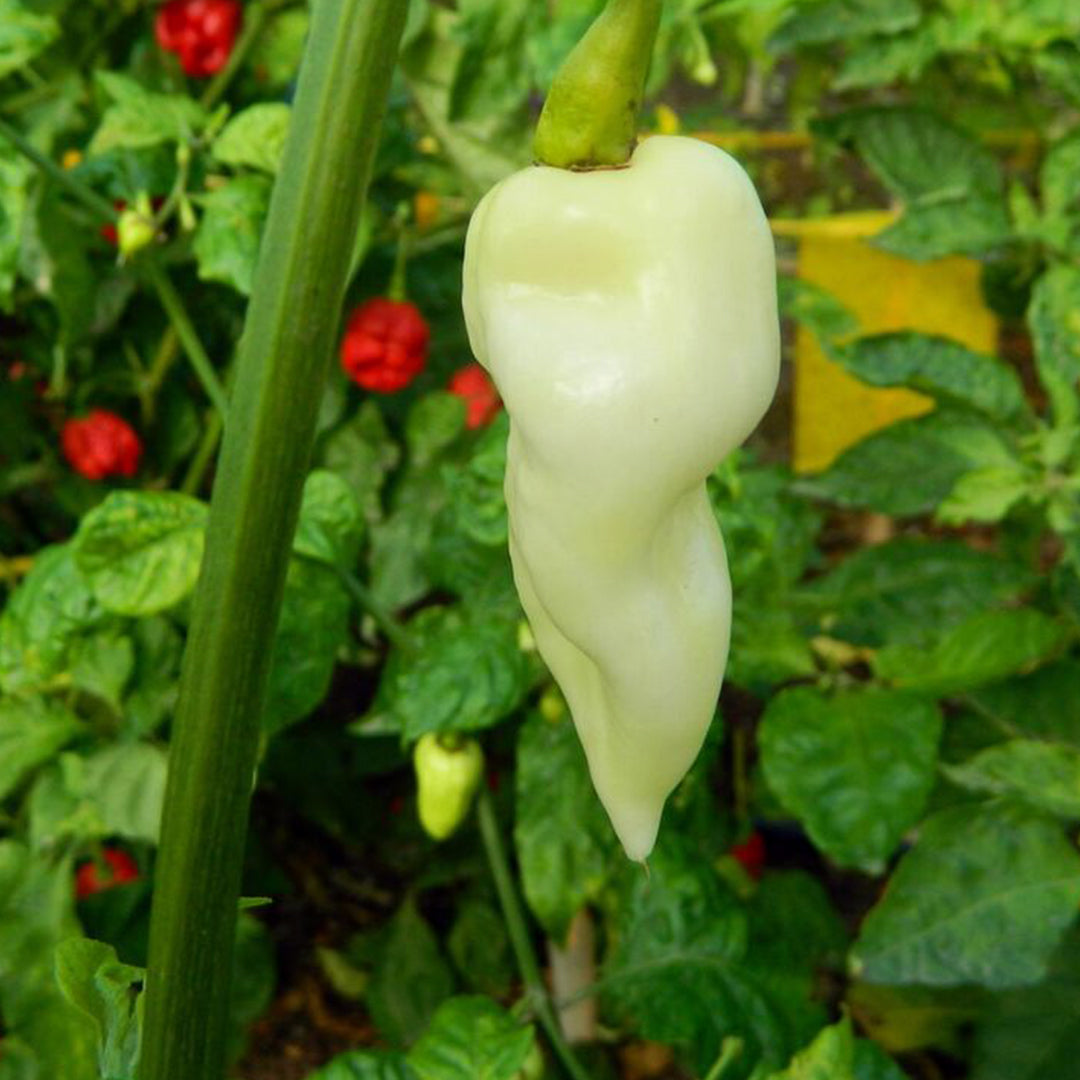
(473, 385)
(446, 779)
(101, 444)
(385, 345)
(91, 878)
(628, 317)
(201, 33)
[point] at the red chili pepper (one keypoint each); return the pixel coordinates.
(119, 869)
(471, 383)
(101, 444)
(751, 853)
(201, 32)
(385, 345)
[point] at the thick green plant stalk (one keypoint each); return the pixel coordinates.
(282, 366)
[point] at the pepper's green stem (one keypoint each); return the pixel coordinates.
(189, 338)
(590, 116)
(536, 992)
(283, 362)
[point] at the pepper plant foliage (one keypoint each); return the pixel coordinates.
(898, 721)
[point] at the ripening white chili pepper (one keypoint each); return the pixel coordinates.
(628, 317)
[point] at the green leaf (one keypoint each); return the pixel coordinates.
(1054, 320)
(472, 1038)
(941, 367)
(855, 768)
(870, 1062)
(153, 688)
(483, 150)
(476, 488)
(92, 978)
(480, 948)
(24, 34)
(831, 1056)
(909, 589)
(1034, 1033)
(36, 913)
(366, 1065)
(139, 118)
(254, 978)
(226, 244)
(140, 550)
(817, 309)
(893, 58)
(491, 77)
(679, 970)
(16, 176)
(32, 731)
(312, 628)
(843, 20)
(1033, 704)
(102, 663)
(362, 453)
(411, 978)
(331, 520)
(1059, 177)
(986, 647)
(565, 846)
(423, 689)
(950, 227)
(433, 424)
(983, 897)
(1043, 776)
(953, 187)
(51, 606)
(255, 137)
(908, 467)
(985, 495)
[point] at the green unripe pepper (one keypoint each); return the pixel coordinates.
(447, 776)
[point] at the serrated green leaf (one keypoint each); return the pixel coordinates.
(1039, 774)
(939, 366)
(94, 980)
(908, 467)
(476, 488)
(983, 897)
(908, 590)
(331, 521)
(679, 972)
(565, 845)
(1054, 320)
(32, 731)
(433, 423)
(985, 495)
(312, 629)
(226, 243)
(24, 34)
(411, 978)
(255, 137)
(140, 551)
(1033, 1033)
(1032, 704)
(855, 768)
(831, 1056)
(423, 688)
(51, 607)
(986, 647)
(366, 1065)
(140, 118)
(472, 1038)
(843, 20)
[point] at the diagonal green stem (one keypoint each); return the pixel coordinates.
(536, 991)
(189, 338)
(283, 362)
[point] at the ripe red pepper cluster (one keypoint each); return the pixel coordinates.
(92, 877)
(385, 345)
(201, 33)
(471, 383)
(101, 444)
